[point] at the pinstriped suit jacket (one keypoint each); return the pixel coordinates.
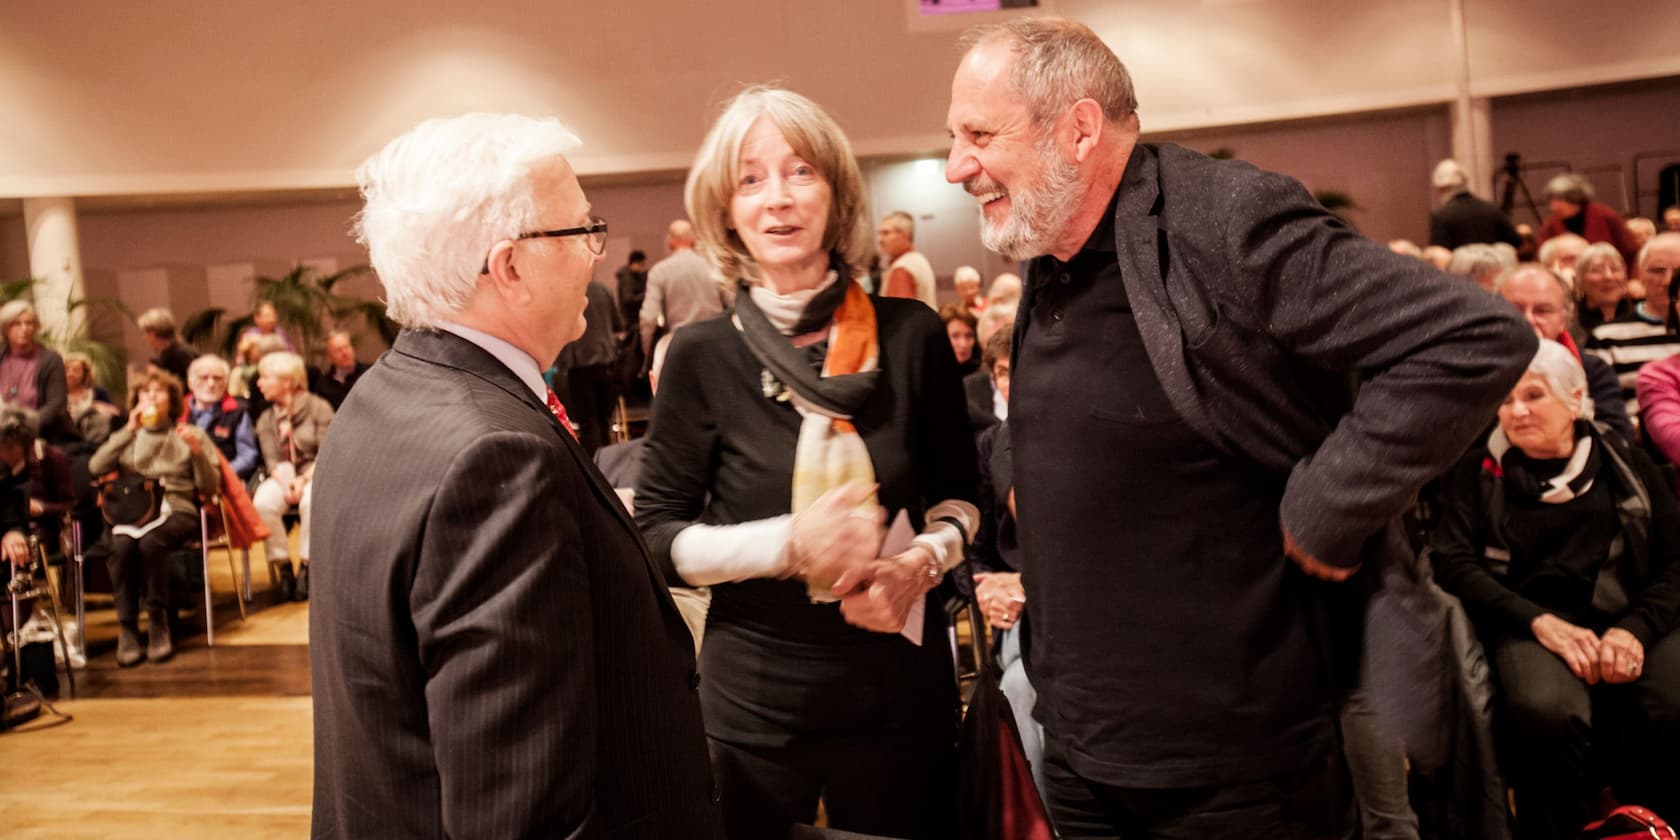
(493, 654)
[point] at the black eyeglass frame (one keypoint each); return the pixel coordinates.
(597, 225)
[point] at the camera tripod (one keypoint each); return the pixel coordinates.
(34, 583)
(1513, 182)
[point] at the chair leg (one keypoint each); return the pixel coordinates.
(227, 544)
(245, 586)
(81, 583)
(204, 561)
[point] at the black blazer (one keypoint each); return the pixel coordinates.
(493, 654)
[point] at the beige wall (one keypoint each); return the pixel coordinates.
(113, 96)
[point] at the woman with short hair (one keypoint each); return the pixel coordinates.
(1564, 545)
(184, 467)
(1601, 280)
(1575, 210)
(783, 434)
(960, 325)
(32, 375)
(289, 432)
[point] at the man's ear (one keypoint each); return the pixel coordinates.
(1086, 123)
(503, 275)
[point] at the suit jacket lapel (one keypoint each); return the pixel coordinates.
(1138, 240)
(453, 351)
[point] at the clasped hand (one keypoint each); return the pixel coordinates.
(1616, 657)
(835, 546)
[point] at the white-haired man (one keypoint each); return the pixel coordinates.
(493, 653)
(1211, 319)
(1463, 219)
(908, 274)
(1546, 302)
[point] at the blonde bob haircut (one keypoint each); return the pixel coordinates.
(817, 139)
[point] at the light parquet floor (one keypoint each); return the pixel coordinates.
(215, 743)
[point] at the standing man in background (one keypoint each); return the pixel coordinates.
(681, 288)
(908, 274)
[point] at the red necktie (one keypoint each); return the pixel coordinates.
(559, 412)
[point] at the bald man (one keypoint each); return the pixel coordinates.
(681, 288)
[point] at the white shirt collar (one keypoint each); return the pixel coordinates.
(514, 359)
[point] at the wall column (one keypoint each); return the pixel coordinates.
(55, 261)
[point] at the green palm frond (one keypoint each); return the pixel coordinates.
(14, 289)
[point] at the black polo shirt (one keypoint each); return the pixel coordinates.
(1172, 644)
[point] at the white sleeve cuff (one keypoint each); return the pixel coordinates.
(946, 539)
(705, 555)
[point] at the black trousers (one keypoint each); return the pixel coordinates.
(1562, 740)
(892, 786)
(1314, 802)
(590, 394)
(140, 568)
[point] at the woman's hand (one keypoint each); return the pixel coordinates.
(880, 600)
(836, 535)
(1576, 646)
(1001, 598)
(1621, 658)
(15, 548)
(294, 490)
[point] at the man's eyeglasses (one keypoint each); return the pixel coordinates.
(595, 231)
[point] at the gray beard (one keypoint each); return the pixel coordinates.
(1037, 214)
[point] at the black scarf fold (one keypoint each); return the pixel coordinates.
(1554, 480)
(838, 396)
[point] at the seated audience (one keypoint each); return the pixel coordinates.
(1602, 281)
(1000, 315)
(1650, 335)
(89, 407)
(242, 383)
(157, 326)
(333, 381)
(1480, 262)
(46, 469)
(1642, 229)
(959, 328)
(289, 432)
(1560, 253)
(966, 280)
(1437, 256)
(1544, 300)
(1005, 288)
(1564, 546)
(1671, 219)
(32, 375)
(183, 464)
(988, 404)
(1570, 196)
(224, 417)
(1659, 406)
(265, 323)
(1405, 248)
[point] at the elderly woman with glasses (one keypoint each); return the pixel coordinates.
(785, 433)
(221, 415)
(1564, 545)
(32, 375)
(289, 432)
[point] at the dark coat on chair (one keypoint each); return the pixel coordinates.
(493, 654)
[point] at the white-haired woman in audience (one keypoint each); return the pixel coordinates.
(32, 375)
(1601, 280)
(783, 434)
(184, 465)
(966, 280)
(1564, 545)
(221, 415)
(289, 432)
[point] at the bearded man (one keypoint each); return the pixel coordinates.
(1184, 419)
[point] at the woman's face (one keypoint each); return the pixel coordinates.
(154, 395)
(21, 333)
(1536, 420)
(73, 378)
(1603, 283)
(265, 318)
(781, 203)
(273, 387)
(962, 339)
(1564, 209)
(208, 386)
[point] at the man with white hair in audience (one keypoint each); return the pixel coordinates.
(1210, 319)
(493, 652)
(224, 417)
(1479, 262)
(966, 280)
(908, 272)
(1549, 306)
(1560, 253)
(1628, 345)
(1463, 219)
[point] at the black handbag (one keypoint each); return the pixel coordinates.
(999, 800)
(128, 498)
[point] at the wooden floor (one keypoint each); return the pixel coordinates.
(214, 743)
